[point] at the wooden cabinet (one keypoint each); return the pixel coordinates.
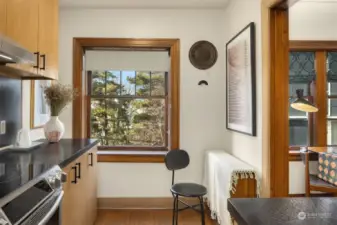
(22, 26)
(34, 25)
(48, 38)
(69, 202)
(3, 19)
(23, 22)
(92, 186)
(79, 206)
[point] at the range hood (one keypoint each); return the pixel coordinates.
(12, 53)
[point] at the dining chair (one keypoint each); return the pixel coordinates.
(177, 160)
(321, 182)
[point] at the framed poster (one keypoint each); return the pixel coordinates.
(39, 110)
(240, 82)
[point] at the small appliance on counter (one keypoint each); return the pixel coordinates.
(23, 139)
(24, 142)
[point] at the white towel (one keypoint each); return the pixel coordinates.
(221, 174)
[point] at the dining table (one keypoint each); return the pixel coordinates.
(287, 211)
(315, 151)
(326, 149)
(283, 211)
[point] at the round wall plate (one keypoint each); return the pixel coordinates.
(203, 55)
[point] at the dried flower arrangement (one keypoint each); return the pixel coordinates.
(58, 96)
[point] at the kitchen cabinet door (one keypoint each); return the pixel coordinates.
(22, 22)
(3, 16)
(48, 38)
(22, 26)
(79, 206)
(82, 192)
(69, 202)
(92, 185)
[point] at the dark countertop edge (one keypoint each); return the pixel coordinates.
(235, 214)
(78, 153)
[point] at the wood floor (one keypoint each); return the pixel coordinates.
(148, 217)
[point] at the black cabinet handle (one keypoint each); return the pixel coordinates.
(75, 177)
(79, 170)
(91, 159)
(43, 62)
(37, 60)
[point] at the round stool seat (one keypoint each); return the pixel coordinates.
(189, 189)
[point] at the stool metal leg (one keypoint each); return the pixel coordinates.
(174, 209)
(202, 210)
(177, 210)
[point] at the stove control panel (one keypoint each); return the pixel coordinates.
(55, 178)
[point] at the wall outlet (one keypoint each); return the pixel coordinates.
(3, 127)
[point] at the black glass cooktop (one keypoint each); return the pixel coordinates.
(17, 168)
(15, 171)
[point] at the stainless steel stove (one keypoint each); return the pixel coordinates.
(36, 202)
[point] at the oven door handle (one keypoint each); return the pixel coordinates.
(52, 210)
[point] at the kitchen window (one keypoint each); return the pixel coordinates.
(129, 109)
(131, 104)
(128, 87)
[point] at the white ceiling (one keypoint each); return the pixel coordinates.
(134, 4)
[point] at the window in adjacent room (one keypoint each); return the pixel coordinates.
(129, 93)
(301, 76)
(332, 98)
(316, 73)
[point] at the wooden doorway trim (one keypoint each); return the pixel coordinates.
(275, 69)
(80, 117)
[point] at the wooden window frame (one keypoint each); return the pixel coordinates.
(81, 104)
(320, 119)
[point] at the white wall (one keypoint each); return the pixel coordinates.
(309, 21)
(238, 15)
(202, 108)
(313, 21)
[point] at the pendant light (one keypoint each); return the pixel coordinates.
(302, 104)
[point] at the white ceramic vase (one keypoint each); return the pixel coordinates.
(54, 129)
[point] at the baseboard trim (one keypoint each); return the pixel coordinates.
(141, 203)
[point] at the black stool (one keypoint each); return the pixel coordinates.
(176, 160)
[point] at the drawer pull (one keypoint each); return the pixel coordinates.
(91, 159)
(37, 66)
(75, 174)
(79, 170)
(43, 62)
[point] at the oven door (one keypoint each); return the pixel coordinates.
(48, 213)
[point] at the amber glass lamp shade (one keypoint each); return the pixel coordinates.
(302, 104)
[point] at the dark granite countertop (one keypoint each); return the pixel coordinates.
(281, 211)
(19, 167)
